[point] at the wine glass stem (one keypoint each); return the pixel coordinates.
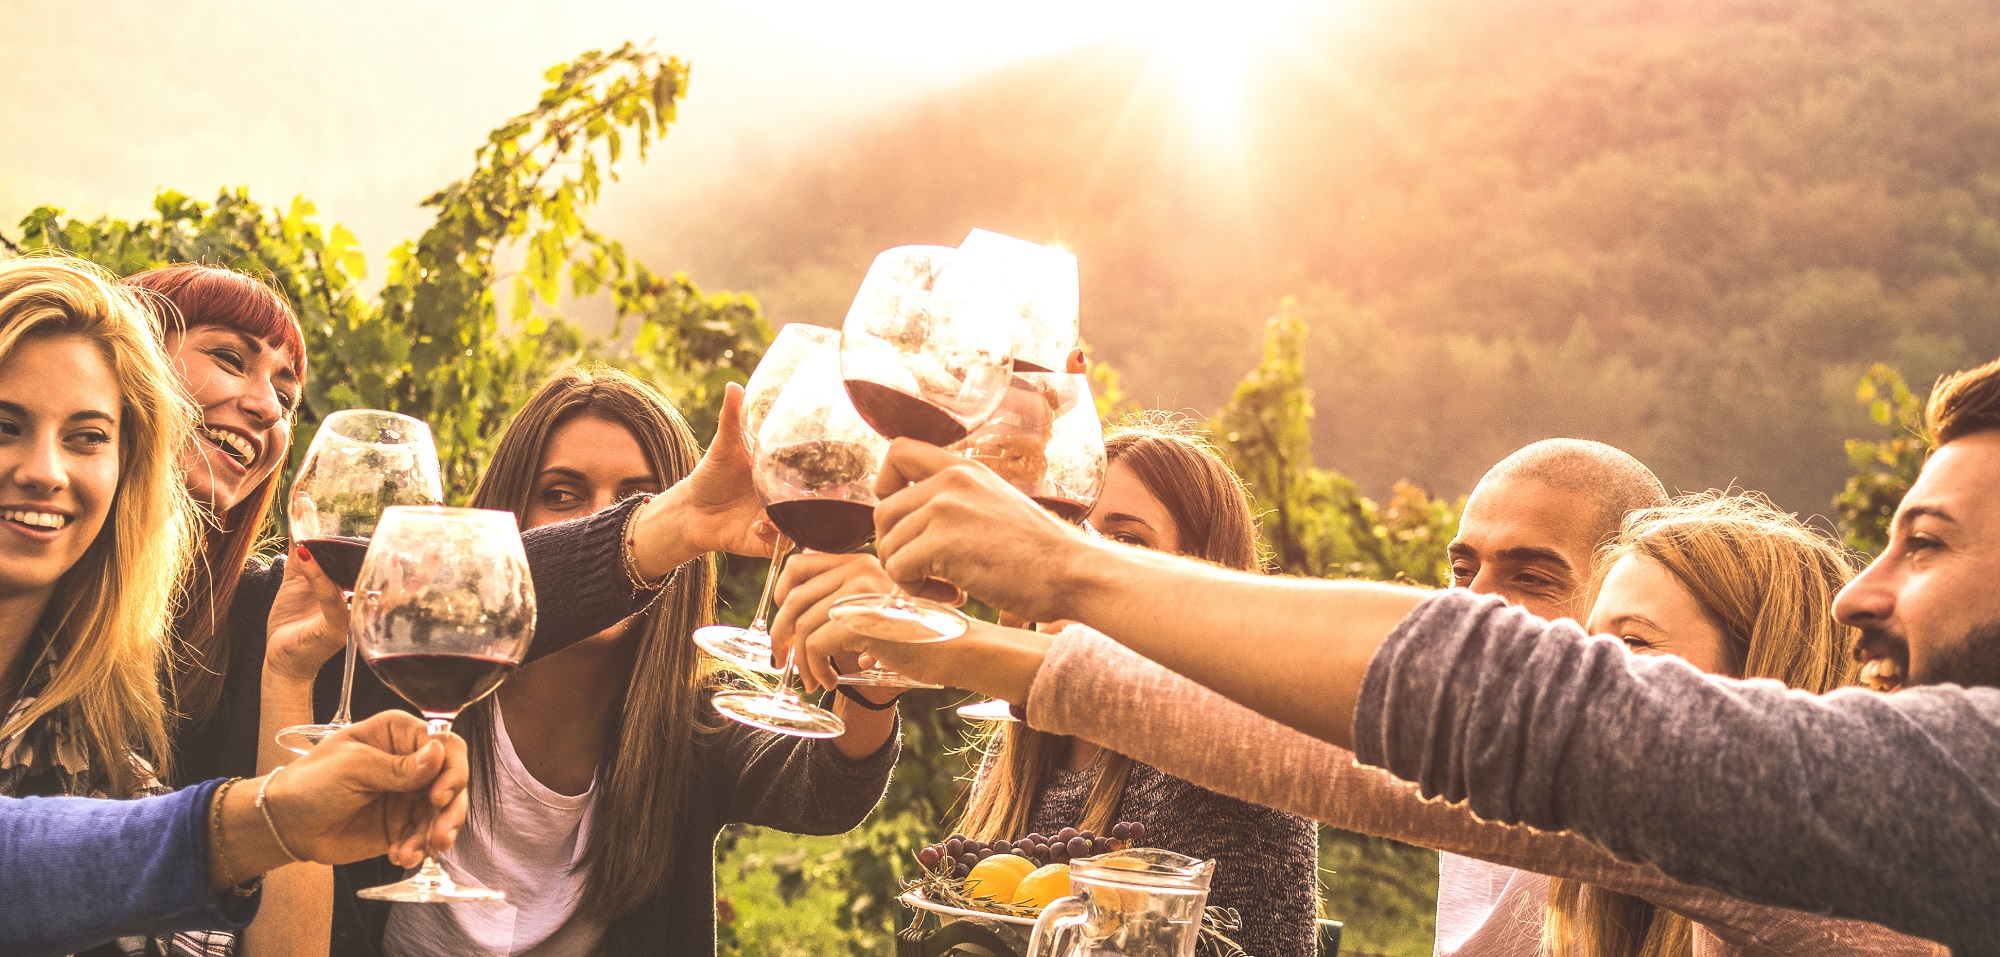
(342, 717)
(430, 871)
(761, 624)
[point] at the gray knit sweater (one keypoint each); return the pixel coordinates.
(1884, 808)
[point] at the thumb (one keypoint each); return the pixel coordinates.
(910, 461)
(384, 773)
(729, 423)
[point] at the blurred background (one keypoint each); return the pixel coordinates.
(1382, 242)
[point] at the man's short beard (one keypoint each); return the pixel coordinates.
(1973, 661)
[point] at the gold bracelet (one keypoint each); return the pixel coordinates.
(639, 582)
(216, 844)
(266, 809)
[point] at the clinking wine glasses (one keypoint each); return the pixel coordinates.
(923, 357)
(750, 648)
(361, 462)
(445, 611)
(815, 473)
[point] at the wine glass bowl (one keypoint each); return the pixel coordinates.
(921, 365)
(1034, 286)
(360, 463)
(445, 611)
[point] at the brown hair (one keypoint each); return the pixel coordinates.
(645, 798)
(1767, 582)
(1964, 403)
(1212, 522)
(108, 613)
(184, 297)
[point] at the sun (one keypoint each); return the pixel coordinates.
(1211, 50)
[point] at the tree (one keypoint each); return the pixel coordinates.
(1884, 469)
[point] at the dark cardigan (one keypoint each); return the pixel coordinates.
(747, 776)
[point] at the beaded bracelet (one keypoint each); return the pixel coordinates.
(272, 822)
(631, 561)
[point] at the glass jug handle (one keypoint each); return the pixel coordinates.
(1062, 916)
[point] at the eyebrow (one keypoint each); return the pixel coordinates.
(15, 408)
(1535, 553)
(1633, 620)
(1125, 517)
(1915, 512)
(574, 475)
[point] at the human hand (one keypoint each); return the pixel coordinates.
(374, 787)
(713, 509)
(993, 660)
(308, 621)
(806, 592)
(941, 516)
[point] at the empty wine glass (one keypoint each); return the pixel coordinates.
(445, 611)
(1035, 286)
(361, 462)
(750, 648)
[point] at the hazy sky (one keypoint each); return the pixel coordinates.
(364, 106)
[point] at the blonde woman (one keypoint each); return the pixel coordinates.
(1728, 582)
(95, 528)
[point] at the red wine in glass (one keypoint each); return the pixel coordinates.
(824, 524)
(441, 685)
(898, 415)
(339, 556)
(1068, 511)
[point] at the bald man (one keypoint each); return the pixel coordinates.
(1528, 534)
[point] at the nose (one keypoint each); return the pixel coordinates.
(40, 468)
(260, 402)
(1486, 581)
(1870, 598)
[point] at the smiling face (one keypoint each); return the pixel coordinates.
(1929, 607)
(247, 392)
(1528, 542)
(588, 464)
(1128, 512)
(59, 407)
(1646, 606)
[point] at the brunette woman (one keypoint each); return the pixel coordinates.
(1165, 489)
(602, 776)
(95, 528)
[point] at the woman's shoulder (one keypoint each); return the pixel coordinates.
(1150, 788)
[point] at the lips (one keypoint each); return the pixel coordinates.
(238, 447)
(54, 521)
(1884, 658)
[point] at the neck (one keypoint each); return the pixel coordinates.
(19, 614)
(562, 711)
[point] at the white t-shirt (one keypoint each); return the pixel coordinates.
(1488, 910)
(531, 855)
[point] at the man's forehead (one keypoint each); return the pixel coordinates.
(1514, 513)
(1960, 480)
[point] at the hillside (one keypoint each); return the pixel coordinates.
(1681, 228)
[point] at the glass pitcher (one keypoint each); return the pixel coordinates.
(1140, 902)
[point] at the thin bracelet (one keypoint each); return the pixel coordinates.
(216, 845)
(266, 809)
(861, 700)
(631, 561)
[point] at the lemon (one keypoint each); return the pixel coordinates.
(1042, 887)
(996, 877)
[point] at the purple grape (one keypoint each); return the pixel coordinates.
(968, 859)
(1138, 831)
(1078, 847)
(985, 852)
(960, 871)
(1066, 833)
(1003, 847)
(1038, 838)
(1058, 853)
(1122, 831)
(929, 857)
(1100, 845)
(955, 846)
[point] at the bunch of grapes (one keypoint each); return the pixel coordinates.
(959, 853)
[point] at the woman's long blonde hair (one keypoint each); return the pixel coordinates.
(645, 798)
(1767, 582)
(109, 614)
(1212, 522)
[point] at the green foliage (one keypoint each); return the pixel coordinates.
(1885, 468)
(432, 344)
(1385, 892)
(1315, 522)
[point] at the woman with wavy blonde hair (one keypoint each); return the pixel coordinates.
(1738, 588)
(95, 529)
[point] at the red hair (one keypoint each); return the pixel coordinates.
(188, 296)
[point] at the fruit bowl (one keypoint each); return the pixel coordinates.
(915, 900)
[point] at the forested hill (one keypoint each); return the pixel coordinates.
(1682, 227)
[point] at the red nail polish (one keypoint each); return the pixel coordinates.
(305, 554)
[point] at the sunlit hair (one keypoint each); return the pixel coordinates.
(109, 613)
(1767, 582)
(1213, 522)
(184, 297)
(645, 792)
(1964, 403)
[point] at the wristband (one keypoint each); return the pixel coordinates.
(848, 692)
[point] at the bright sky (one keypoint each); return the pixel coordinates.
(365, 105)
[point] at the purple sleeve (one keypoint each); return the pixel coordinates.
(580, 583)
(77, 872)
(1884, 808)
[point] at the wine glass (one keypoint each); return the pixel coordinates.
(361, 462)
(927, 366)
(815, 473)
(1046, 440)
(1035, 285)
(750, 648)
(446, 610)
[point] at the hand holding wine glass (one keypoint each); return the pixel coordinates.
(444, 611)
(361, 462)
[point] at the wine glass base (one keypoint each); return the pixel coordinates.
(884, 678)
(737, 646)
(990, 710)
(300, 738)
(779, 714)
(899, 618)
(421, 890)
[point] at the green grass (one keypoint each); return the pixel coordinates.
(1385, 892)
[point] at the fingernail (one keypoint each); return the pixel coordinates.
(305, 554)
